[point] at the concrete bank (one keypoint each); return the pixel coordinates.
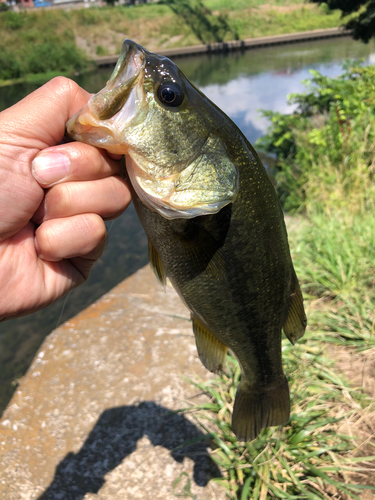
(91, 418)
(250, 43)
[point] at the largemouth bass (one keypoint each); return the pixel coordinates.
(214, 223)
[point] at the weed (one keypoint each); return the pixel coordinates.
(14, 20)
(100, 50)
(305, 459)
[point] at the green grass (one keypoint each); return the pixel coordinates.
(257, 23)
(335, 256)
(312, 454)
(320, 453)
(36, 42)
(71, 37)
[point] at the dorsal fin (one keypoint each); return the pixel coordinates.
(295, 323)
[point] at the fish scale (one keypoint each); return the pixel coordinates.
(213, 220)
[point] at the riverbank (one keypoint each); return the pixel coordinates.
(213, 48)
(58, 40)
(331, 170)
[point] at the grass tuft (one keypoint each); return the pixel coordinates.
(313, 456)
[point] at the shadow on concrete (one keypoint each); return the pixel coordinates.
(115, 436)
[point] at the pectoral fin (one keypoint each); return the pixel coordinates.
(156, 264)
(211, 351)
(295, 324)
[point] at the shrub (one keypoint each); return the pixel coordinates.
(9, 66)
(326, 148)
(14, 20)
(55, 56)
(100, 50)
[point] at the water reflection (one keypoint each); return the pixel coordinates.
(240, 84)
(243, 84)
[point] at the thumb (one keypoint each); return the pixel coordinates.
(38, 120)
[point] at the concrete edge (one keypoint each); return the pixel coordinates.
(250, 43)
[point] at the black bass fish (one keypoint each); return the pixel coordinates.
(213, 220)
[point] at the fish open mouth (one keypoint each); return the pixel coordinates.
(112, 109)
(177, 171)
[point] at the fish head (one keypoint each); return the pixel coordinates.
(172, 135)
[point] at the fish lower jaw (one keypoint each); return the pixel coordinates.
(158, 197)
(161, 195)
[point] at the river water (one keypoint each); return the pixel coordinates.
(241, 84)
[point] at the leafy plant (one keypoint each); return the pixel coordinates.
(53, 55)
(362, 21)
(100, 50)
(325, 149)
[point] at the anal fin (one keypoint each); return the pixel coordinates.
(156, 264)
(211, 351)
(255, 409)
(295, 323)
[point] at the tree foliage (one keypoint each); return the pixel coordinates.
(362, 21)
(204, 24)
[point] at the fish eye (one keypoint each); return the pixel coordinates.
(171, 94)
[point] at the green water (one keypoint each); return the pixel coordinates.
(240, 84)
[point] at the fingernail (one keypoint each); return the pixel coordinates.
(50, 168)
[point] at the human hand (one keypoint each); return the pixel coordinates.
(53, 199)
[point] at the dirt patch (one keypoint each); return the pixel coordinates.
(359, 368)
(284, 9)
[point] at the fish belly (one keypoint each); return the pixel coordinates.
(237, 300)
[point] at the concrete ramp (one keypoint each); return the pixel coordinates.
(91, 418)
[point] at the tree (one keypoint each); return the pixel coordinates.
(205, 25)
(363, 21)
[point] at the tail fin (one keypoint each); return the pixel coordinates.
(255, 409)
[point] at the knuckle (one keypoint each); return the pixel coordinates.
(46, 240)
(64, 86)
(59, 200)
(94, 227)
(96, 235)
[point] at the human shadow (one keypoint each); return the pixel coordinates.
(115, 436)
